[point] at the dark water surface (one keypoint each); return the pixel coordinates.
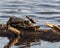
(41, 10)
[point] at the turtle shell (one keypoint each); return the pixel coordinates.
(21, 23)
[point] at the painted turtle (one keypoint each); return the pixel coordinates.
(29, 24)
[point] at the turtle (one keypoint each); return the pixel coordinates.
(21, 23)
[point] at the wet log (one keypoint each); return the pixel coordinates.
(14, 30)
(48, 35)
(55, 28)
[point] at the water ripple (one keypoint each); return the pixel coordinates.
(47, 12)
(46, 5)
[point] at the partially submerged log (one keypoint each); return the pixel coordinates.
(28, 32)
(48, 35)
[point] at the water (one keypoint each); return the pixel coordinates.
(41, 10)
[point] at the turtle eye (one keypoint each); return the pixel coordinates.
(26, 22)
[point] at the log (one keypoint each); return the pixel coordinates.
(14, 30)
(56, 28)
(48, 35)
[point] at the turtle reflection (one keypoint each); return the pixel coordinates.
(22, 42)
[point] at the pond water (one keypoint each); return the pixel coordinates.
(41, 10)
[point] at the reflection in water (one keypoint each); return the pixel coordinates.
(22, 42)
(12, 42)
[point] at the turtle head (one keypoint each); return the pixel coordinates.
(31, 20)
